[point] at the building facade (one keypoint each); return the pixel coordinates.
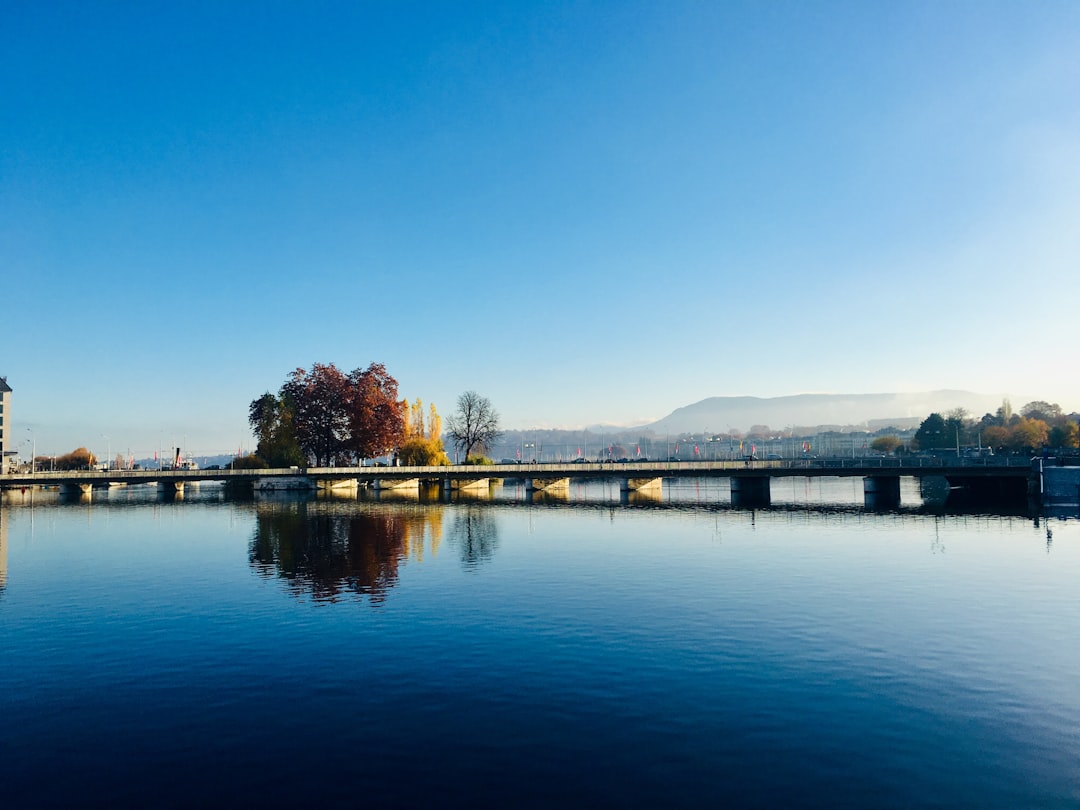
(7, 451)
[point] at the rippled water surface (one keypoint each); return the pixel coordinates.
(570, 651)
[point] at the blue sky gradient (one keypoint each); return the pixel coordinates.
(586, 211)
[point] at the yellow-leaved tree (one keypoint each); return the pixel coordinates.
(423, 445)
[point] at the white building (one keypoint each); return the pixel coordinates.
(7, 452)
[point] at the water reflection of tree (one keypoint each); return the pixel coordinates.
(475, 533)
(329, 553)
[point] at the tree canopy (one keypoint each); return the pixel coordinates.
(271, 420)
(885, 444)
(78, 459)
(423, 446)
(1043, 411)
(475, 424)
(933, 433)
(1037, 424)
(376, 420)
(327, 416)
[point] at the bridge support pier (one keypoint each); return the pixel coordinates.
(750, 491)
(469, 483)
(337, 484)
(640, 484)
(881, 491)
(547, 484)
(77, 489)
(395, 483)
(292, 483)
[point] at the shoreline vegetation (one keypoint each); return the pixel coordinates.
(323, 416)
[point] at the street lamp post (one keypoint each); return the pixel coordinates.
(33, 449)
(108, 452)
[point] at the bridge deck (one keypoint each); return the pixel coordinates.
(998, 467)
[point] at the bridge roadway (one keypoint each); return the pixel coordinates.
(749, 478)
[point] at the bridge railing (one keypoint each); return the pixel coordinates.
(658, 469)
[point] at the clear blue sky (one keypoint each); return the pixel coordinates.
(585, 211)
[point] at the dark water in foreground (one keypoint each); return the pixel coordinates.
(346, 653)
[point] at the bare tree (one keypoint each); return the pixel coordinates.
(475, 425)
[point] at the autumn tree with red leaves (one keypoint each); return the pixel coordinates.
(333, 417)
(376, 419)
(319, 400)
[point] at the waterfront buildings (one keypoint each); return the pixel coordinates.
(7, 452)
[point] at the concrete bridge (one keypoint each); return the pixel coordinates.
(1002, 476)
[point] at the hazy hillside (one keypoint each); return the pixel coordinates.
(720, 414)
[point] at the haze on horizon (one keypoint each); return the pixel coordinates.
(588, 212)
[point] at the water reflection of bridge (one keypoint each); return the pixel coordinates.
(324, 546)
(1000, 477)
(328, 550)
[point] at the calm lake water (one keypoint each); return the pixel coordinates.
(670, 651)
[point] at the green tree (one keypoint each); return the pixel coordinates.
(262, 416)
(249, 462)
(271, 421)
(933, 434)
(1065, 435)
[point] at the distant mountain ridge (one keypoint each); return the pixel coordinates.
(870, 411)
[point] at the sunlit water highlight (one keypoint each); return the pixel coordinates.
(578, 652)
